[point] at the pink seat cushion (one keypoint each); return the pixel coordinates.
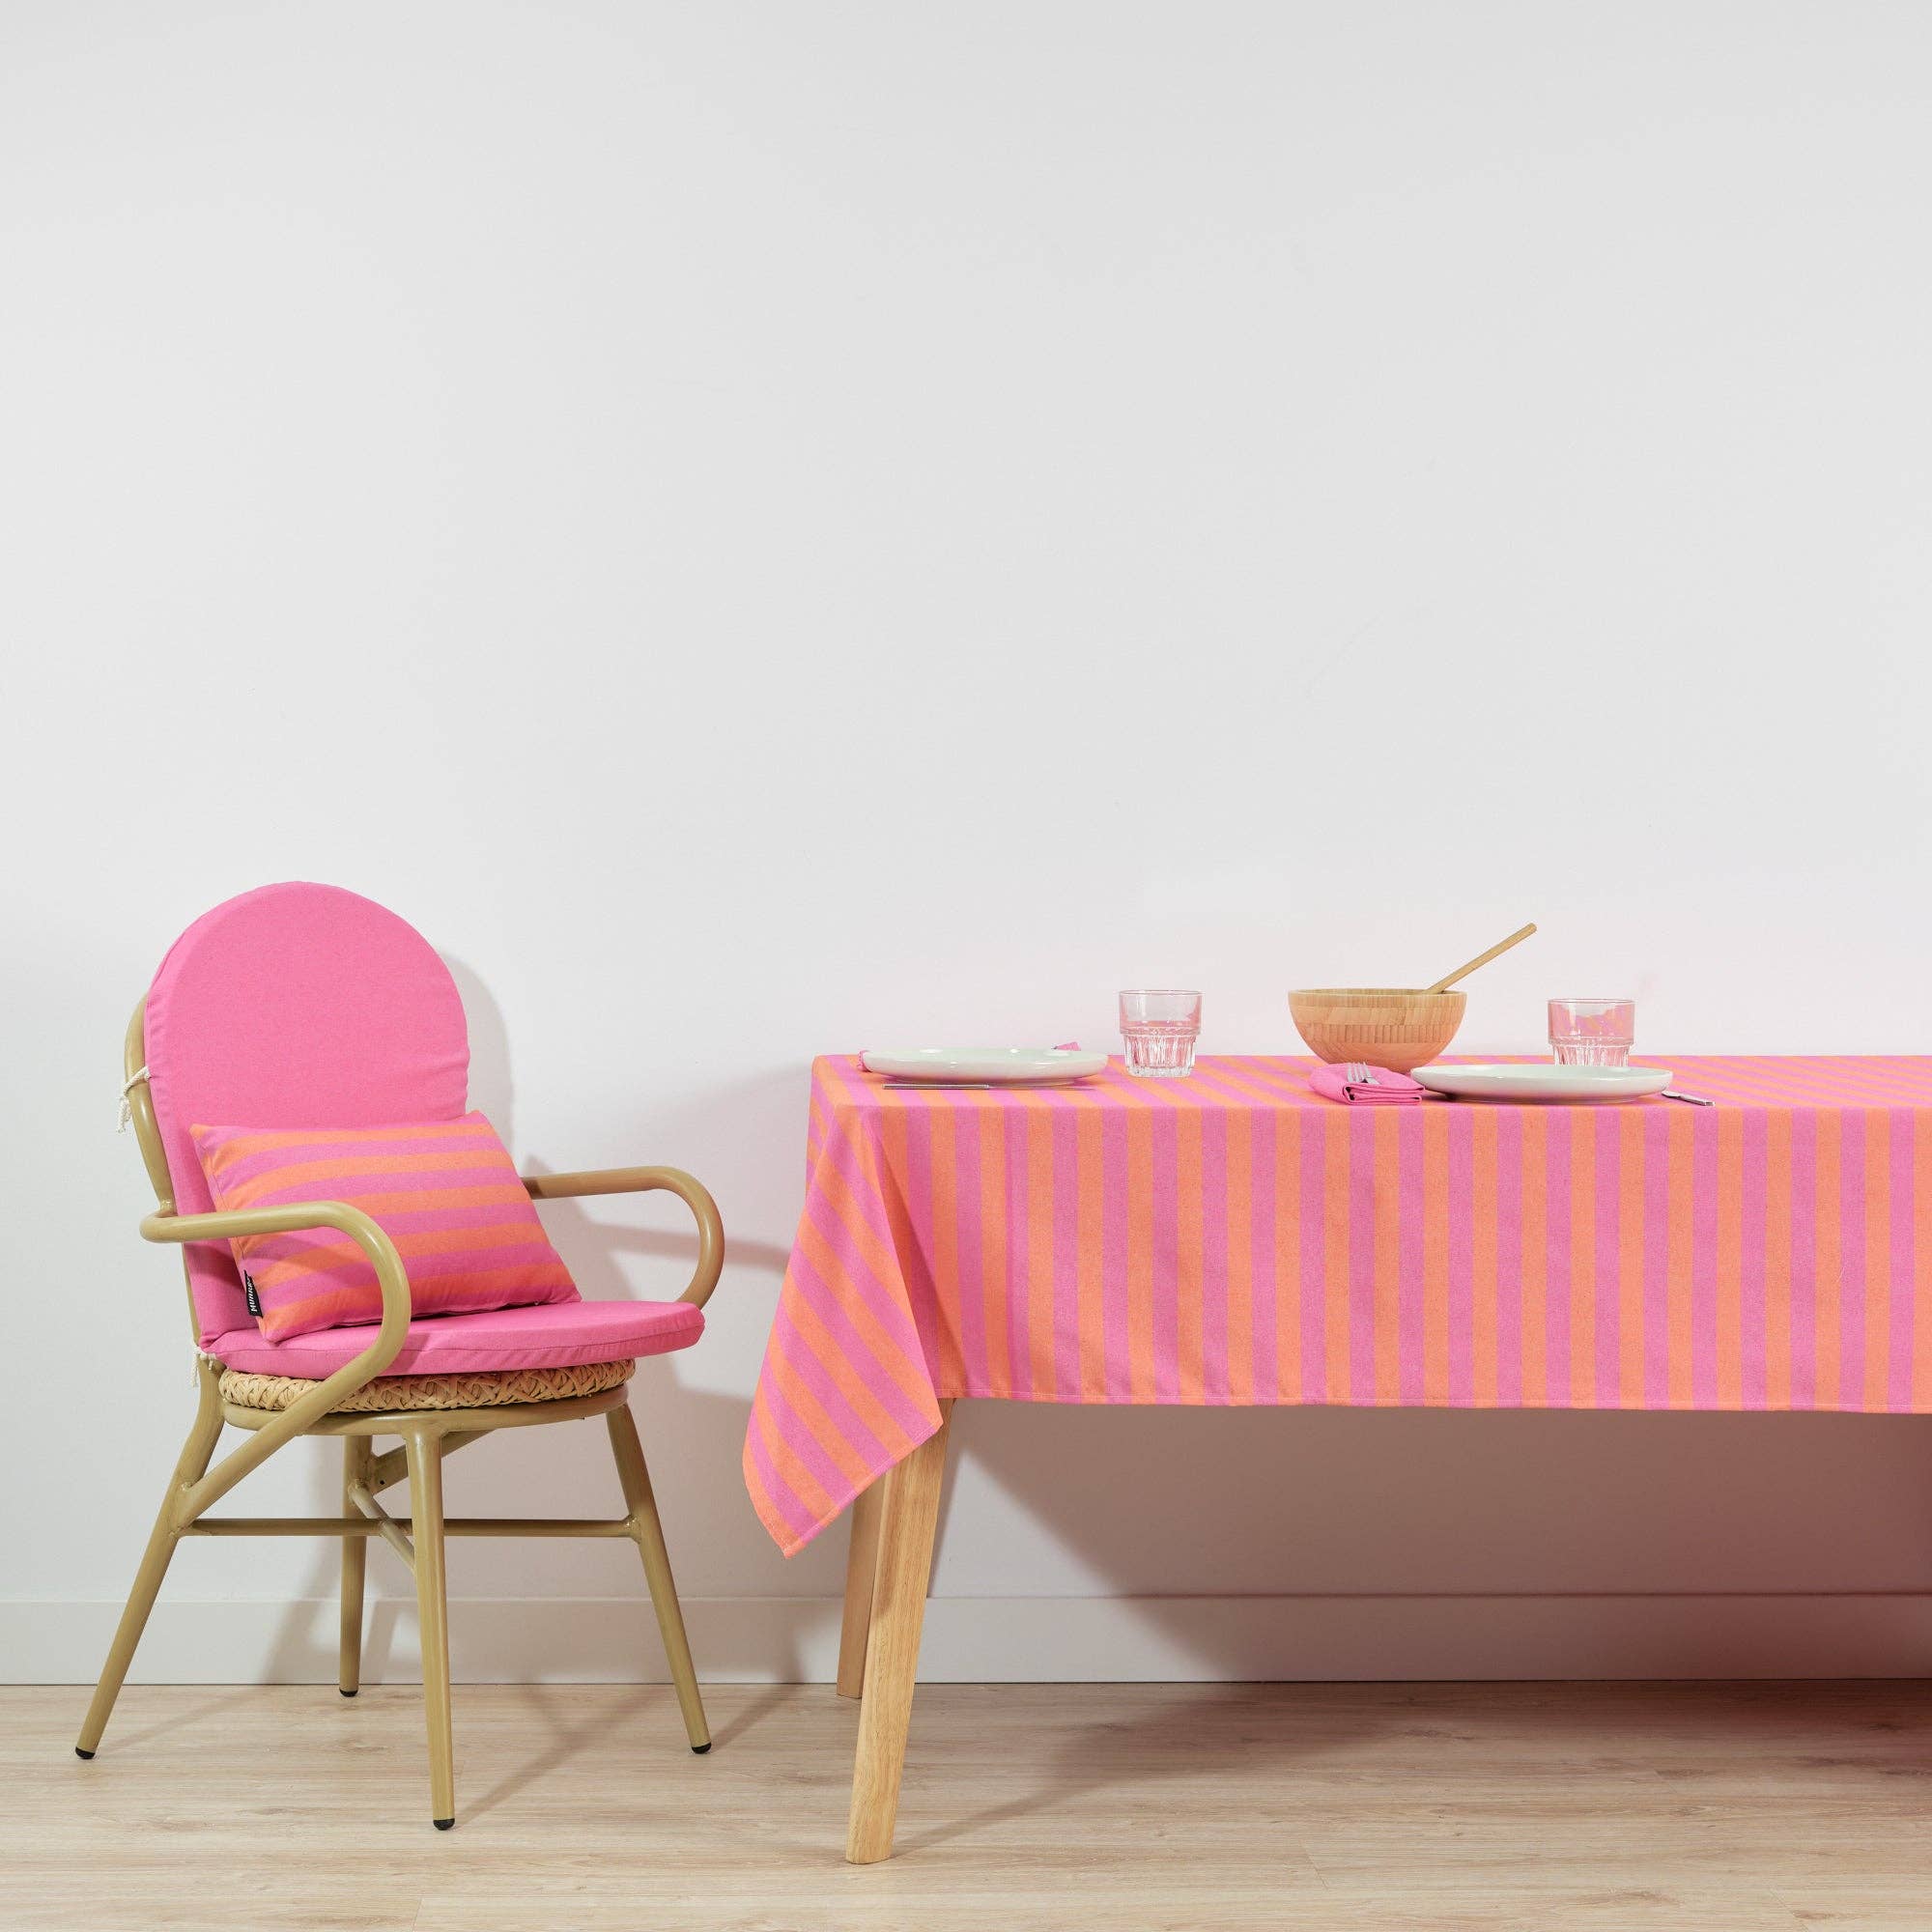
(557, 1335)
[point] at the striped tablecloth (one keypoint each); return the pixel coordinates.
(1233, 1239)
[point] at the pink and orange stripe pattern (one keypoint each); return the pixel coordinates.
(1232, 1238)
(447, 1193)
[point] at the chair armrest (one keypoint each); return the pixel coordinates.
(390, 1277)
(645, 1180)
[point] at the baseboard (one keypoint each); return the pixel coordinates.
(1018, 1639)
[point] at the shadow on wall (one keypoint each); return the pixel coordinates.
(594, 1247)
(1340, 1514)
(491, 1091)
(692, 1439)
(1351, 1518)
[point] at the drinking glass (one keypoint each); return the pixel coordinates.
(1161, 1026)
(1592, 1033)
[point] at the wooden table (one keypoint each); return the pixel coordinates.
(1233, 1239)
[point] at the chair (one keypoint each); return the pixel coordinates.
(304, 1006)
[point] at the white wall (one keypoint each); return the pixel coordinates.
(765, 529)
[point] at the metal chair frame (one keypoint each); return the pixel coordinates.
(427, 1436)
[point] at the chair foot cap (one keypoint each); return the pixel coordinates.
(697, 1750)
(78, 1752)
(442, 1824)
(341, 1692)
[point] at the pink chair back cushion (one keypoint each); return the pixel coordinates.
(445, 1192)
(294, 1006)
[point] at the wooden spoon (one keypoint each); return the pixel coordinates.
(1444, 984)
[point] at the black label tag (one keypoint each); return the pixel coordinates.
(254, 1300)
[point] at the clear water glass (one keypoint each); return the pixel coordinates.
(1592, 1033)
(1161, 1026)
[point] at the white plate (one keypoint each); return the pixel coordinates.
(983, 1066)
(1539, 1080)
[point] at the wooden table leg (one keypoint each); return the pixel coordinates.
(862, 1564)
(909, 1516)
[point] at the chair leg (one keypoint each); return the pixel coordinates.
(423, 1449)
(189, 1470)
(356, 1453)
(642, 1507)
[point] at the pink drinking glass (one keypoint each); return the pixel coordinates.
(1161, 1026)
(1592, 1033)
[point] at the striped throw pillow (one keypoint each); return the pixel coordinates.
(447, 1193)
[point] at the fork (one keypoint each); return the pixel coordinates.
(1360, 1073)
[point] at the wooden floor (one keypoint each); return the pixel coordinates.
(1510, 1807)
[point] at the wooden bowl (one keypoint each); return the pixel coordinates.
(1395, 1026)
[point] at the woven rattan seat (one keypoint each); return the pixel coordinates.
(479, 1390)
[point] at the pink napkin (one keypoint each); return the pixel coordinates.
(1389, 1090)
